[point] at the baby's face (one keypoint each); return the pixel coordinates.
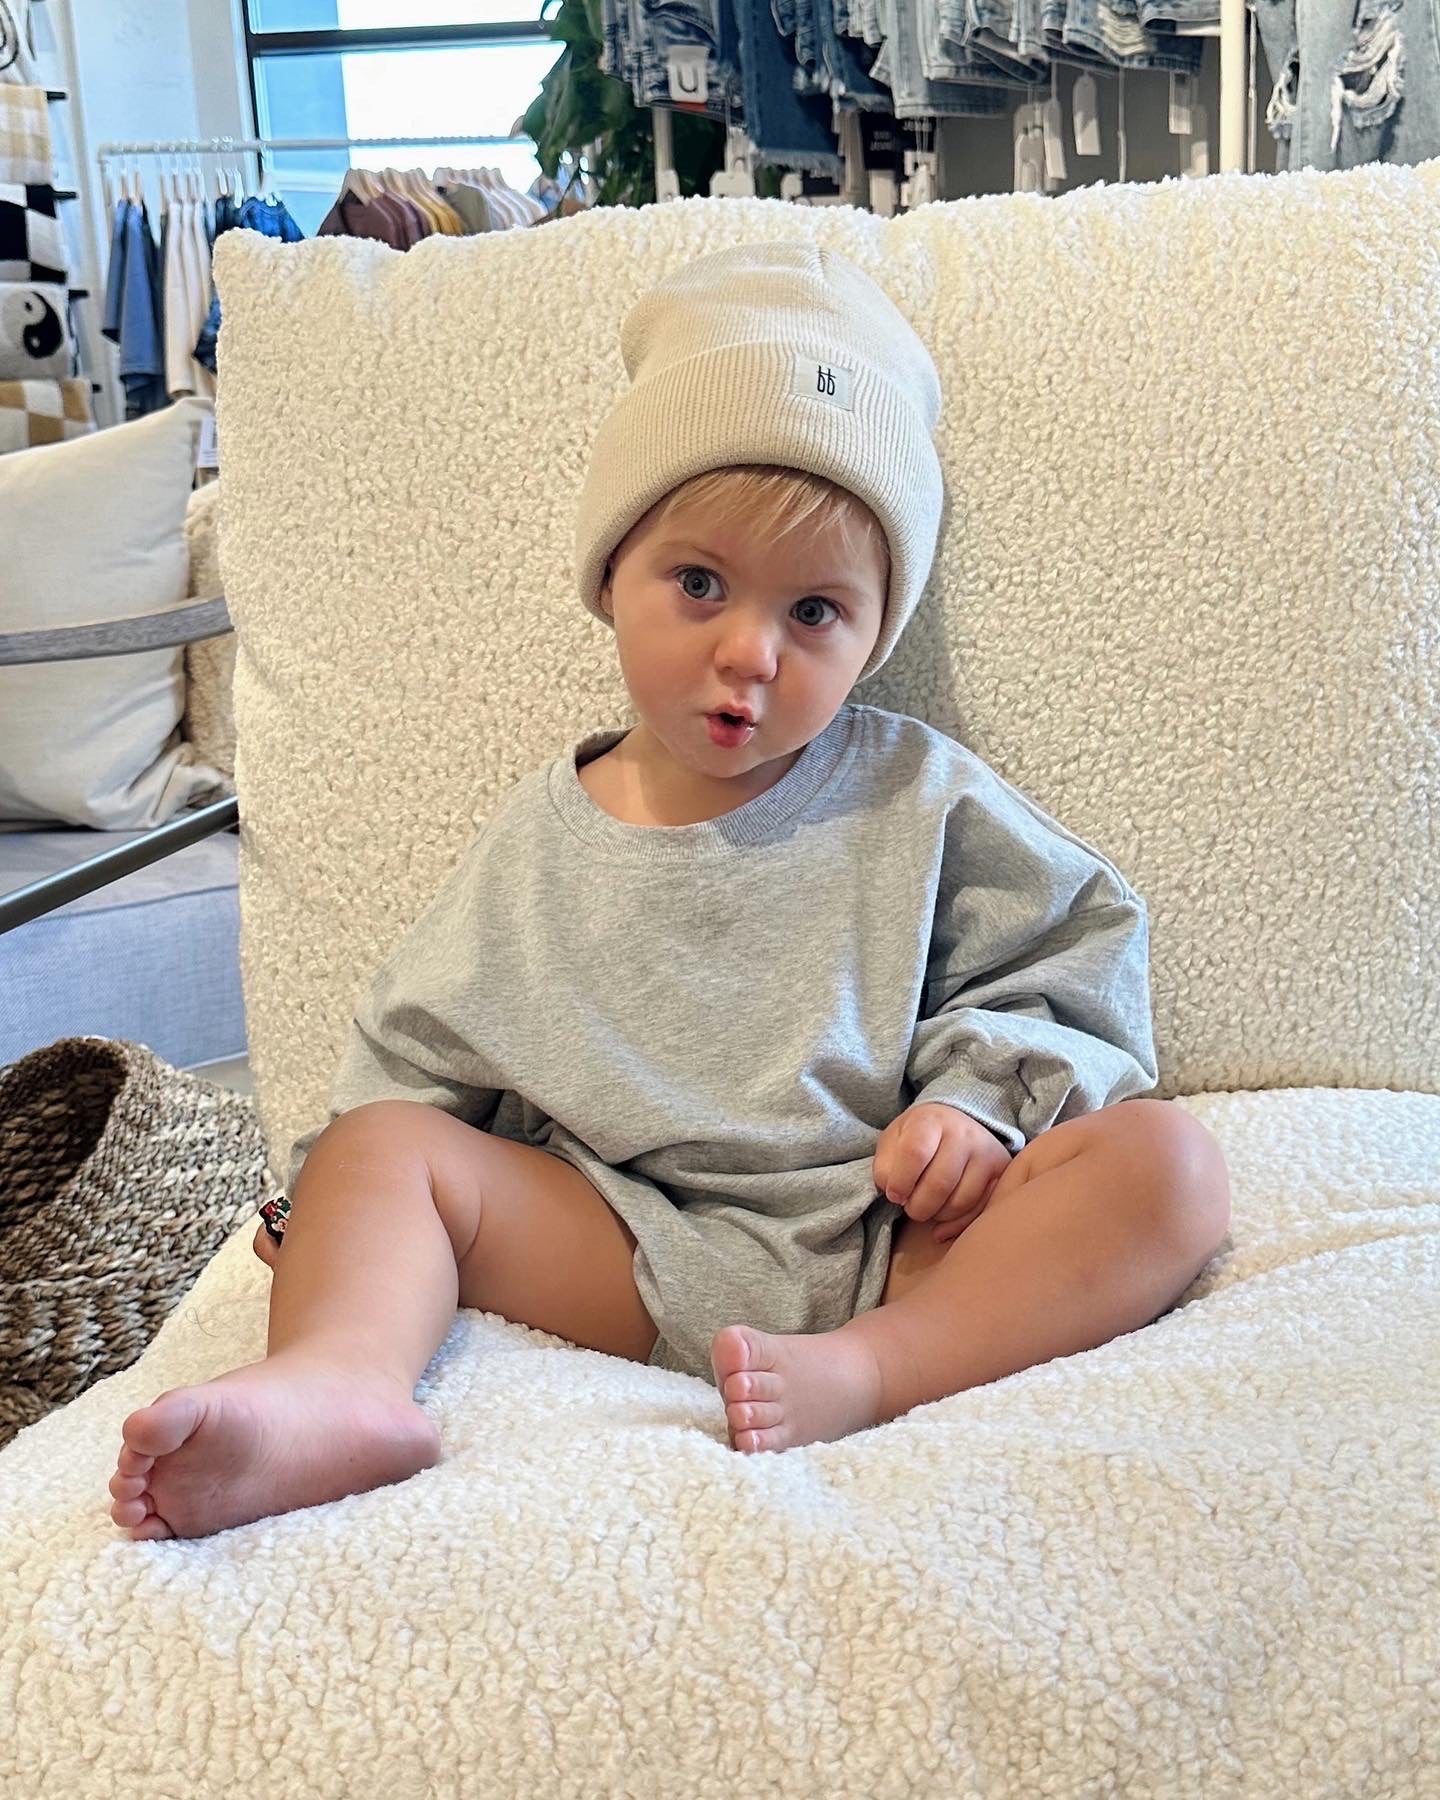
(714, 616)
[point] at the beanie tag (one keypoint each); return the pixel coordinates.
(825, 381)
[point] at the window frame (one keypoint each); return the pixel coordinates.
(381, 37)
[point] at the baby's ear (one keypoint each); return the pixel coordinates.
(605, 604)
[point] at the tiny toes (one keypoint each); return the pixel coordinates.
(162, 1427)
(153, 1527)
(129, 1512)
(127, 1487)
(753, 1415)
(753, 1384)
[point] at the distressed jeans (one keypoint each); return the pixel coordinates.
(1019, 39)
(638, 36)
(1355, 81)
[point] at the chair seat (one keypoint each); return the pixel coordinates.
(153, 957)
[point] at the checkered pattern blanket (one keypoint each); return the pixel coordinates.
(26, 153)
(43, 412)
(32, 243)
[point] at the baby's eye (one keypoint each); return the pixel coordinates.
(695, 583)
(816, 600)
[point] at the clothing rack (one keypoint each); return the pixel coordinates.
(1237, 101)
(258, 146)
(224, 146)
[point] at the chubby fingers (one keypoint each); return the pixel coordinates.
(918, 1164)
(968, 1201)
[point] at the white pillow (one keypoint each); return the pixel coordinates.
(91, 531)
(1186, 599)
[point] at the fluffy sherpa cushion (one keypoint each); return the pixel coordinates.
(209, 722)
(1197, 1563)
(1187, 594)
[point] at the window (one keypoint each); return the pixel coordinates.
(385, 69)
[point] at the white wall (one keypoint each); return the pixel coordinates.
(136, 70)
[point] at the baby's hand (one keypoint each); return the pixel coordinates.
(938, 1163)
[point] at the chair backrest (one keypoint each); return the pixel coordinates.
(1185, 595)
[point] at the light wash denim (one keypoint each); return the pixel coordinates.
(639, 35)
(1009, 45)
(1354, 83)
(934, 57)
(977, 93)
(1110, 33)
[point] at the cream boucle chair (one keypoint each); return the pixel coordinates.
(1186, 599)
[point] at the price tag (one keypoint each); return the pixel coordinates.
(1199, 162)
(1182, 100)
(207, 451)
(1086, 105)
(687, 66)
(1052, 120)
(1029, 163)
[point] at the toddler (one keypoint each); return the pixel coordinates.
(728, 1024)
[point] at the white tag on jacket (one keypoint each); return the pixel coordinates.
(1053, 121)
(1199, 142)
(687, 67)
(1182, 98)
(1086, 105)
(1029, 163)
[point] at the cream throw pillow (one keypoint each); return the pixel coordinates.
(89, 531)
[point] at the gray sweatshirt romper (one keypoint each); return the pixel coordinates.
(715, 1022)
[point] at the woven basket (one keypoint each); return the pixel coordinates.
(120, 1177)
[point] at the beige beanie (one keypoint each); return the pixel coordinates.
(780, 354)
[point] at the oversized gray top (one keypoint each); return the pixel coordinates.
(715, 1022)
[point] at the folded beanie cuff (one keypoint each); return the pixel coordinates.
(766, 403)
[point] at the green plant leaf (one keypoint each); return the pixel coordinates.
(581, 110)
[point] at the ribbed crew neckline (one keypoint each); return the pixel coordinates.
(752, 823)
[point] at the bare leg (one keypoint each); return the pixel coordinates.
(400, 1213)
(1095, 1229)
(363, 1295)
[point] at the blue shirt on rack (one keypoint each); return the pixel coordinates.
(254, 215)
(132, 310)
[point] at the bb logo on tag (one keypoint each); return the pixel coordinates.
(821, 381)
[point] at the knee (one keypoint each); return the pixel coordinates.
(379, 1128)
(386, 1117)
(1186, 1170)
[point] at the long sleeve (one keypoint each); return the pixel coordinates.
(416, 1034)
(1036, 1002)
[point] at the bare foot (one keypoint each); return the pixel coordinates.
(271, 1437)
(784, 1390)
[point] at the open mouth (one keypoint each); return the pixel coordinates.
(728, 729)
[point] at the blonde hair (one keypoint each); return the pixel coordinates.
(775, 501)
